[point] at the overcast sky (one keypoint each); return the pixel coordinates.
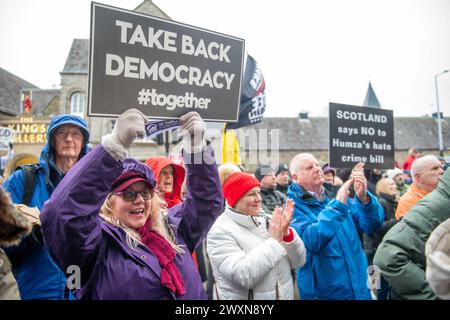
(310, 52)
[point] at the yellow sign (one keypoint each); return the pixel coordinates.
(26, 131)
(29, 132)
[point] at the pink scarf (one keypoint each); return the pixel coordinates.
(161, 248)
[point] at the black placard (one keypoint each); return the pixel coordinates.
(161, 67)
(361, 134)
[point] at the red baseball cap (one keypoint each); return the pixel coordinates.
(126, 179)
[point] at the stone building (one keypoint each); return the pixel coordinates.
(290, 135)
(74, 91)
(29, 127)
(294, 135)
(72, 98)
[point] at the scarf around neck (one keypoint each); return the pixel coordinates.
(170, 275)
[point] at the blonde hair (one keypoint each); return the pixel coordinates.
(383, 185)
(226, 170)
(160, 224)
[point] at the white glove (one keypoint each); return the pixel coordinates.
(129, 125)
(193, 128)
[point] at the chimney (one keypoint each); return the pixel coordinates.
(303, 116)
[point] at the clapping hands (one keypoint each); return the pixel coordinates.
(359, 182)
(281, 219)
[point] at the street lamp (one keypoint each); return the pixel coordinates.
(441, 146)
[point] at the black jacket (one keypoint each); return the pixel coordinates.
(272, 198)
(283, 189)
(371, 241)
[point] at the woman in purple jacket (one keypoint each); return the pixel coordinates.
(105, 219)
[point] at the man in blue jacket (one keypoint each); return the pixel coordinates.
(336, 266)
(37, 275)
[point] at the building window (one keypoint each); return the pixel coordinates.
(78, 104)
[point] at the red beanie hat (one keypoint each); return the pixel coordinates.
(236, 185)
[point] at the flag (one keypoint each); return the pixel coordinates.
(251, 110)
(26, 97)
(253, 96)
(230, 147)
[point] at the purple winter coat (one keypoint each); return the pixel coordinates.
(76, 235)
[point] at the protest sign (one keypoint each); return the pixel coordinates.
(361, 134)
(161, 67)
(6, 137)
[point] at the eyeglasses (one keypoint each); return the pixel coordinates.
(166, 172)
(131, 195)
(63, 132)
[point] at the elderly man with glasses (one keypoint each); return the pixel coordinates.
(37, 275)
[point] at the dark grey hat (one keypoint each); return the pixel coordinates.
(262, 171)
(282, 167)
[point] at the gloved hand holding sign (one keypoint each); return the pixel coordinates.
(129, 126)
(133, 124)
(193, 129)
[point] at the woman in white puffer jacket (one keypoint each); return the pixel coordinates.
(249, 260)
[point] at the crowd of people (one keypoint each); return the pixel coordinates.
(193, 231)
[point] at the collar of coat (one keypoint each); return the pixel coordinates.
(329, 191)
(267, 191)
(245, 220)
(388, 197)
(141, 254)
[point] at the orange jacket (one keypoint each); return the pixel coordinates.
(408, 200)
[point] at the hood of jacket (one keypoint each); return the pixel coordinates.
(157, 164)
(49, 148)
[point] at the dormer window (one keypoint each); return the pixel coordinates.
(78, 104)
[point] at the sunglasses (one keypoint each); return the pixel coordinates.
(131, 195)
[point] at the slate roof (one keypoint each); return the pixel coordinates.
(313, 134)
(41, 99)
(78, 58)
(10, 86)
(148, 7)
